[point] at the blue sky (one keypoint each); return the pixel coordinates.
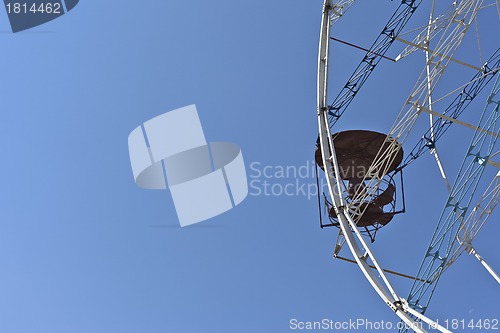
(83, 249)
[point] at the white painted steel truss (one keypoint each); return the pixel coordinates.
(449, 30)
(353, 237)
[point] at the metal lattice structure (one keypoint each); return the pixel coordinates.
(474, 223)
(339, 9)
(371, 59)
(456, 107)
(444, 240)
(439, 40)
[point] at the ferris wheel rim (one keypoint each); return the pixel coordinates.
(382, 286)
(347, 224)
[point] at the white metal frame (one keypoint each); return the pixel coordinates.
(353, 237)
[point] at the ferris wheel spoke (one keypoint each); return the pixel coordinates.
(432, 266)
(485, 264)
(436, 28)
(459, 122)
(339, 9)
(434, 151)
(419, 97)
(376, 52)
(442, 171)
(483, 209)
(444, 240)
(459, 104)
(433, 52)
(478, 37)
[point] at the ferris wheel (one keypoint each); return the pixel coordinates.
(364, 169)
